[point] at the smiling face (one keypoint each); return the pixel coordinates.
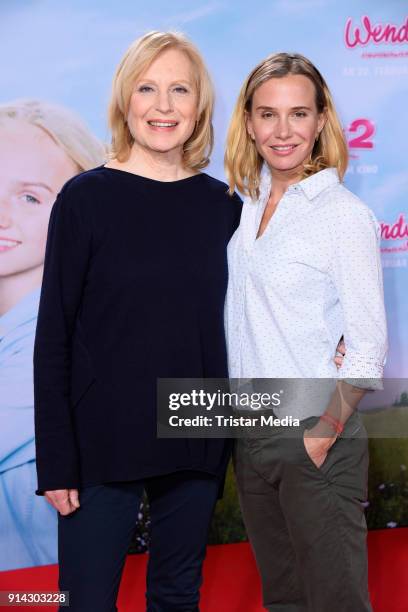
(163, 106)
(284, 123)
(33, 169)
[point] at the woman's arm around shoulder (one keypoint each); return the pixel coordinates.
(356, 272)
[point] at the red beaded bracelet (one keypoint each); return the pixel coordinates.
(336, 425)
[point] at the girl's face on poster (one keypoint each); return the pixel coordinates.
(33, 169)
(163, 105)
(284, 122)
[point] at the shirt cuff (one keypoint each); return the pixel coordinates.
(362, 371)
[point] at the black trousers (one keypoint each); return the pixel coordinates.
(93, 541)
(306, 524)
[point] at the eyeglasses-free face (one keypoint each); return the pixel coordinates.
(163, 106)
(284, 122)
(33, 169)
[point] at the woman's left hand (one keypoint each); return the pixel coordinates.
(318, 447)
(340, 352)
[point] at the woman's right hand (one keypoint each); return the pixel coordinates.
(65, 501)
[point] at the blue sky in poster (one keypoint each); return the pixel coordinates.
(67, 51)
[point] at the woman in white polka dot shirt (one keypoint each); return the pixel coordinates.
(304, 271)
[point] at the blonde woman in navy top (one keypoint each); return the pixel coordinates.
(134, 285)
(305, 272)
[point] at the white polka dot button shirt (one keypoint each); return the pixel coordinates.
(312, 277)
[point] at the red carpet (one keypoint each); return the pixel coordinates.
(231, 583)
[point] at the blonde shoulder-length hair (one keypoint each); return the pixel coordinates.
(243, 163)
(139, 56)
(62, 125)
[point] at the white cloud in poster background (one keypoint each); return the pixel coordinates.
(52, 35)
(196, 14)
(297, 7)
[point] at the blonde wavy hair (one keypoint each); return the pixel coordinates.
(65, 128)
(139, 56)
(243, 163)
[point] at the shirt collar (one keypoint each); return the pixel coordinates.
(311, 186)
(25, 310)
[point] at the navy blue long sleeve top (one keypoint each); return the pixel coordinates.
(134, 284)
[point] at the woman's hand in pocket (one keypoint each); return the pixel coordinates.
(318, 441)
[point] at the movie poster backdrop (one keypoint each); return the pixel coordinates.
(62, 56)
